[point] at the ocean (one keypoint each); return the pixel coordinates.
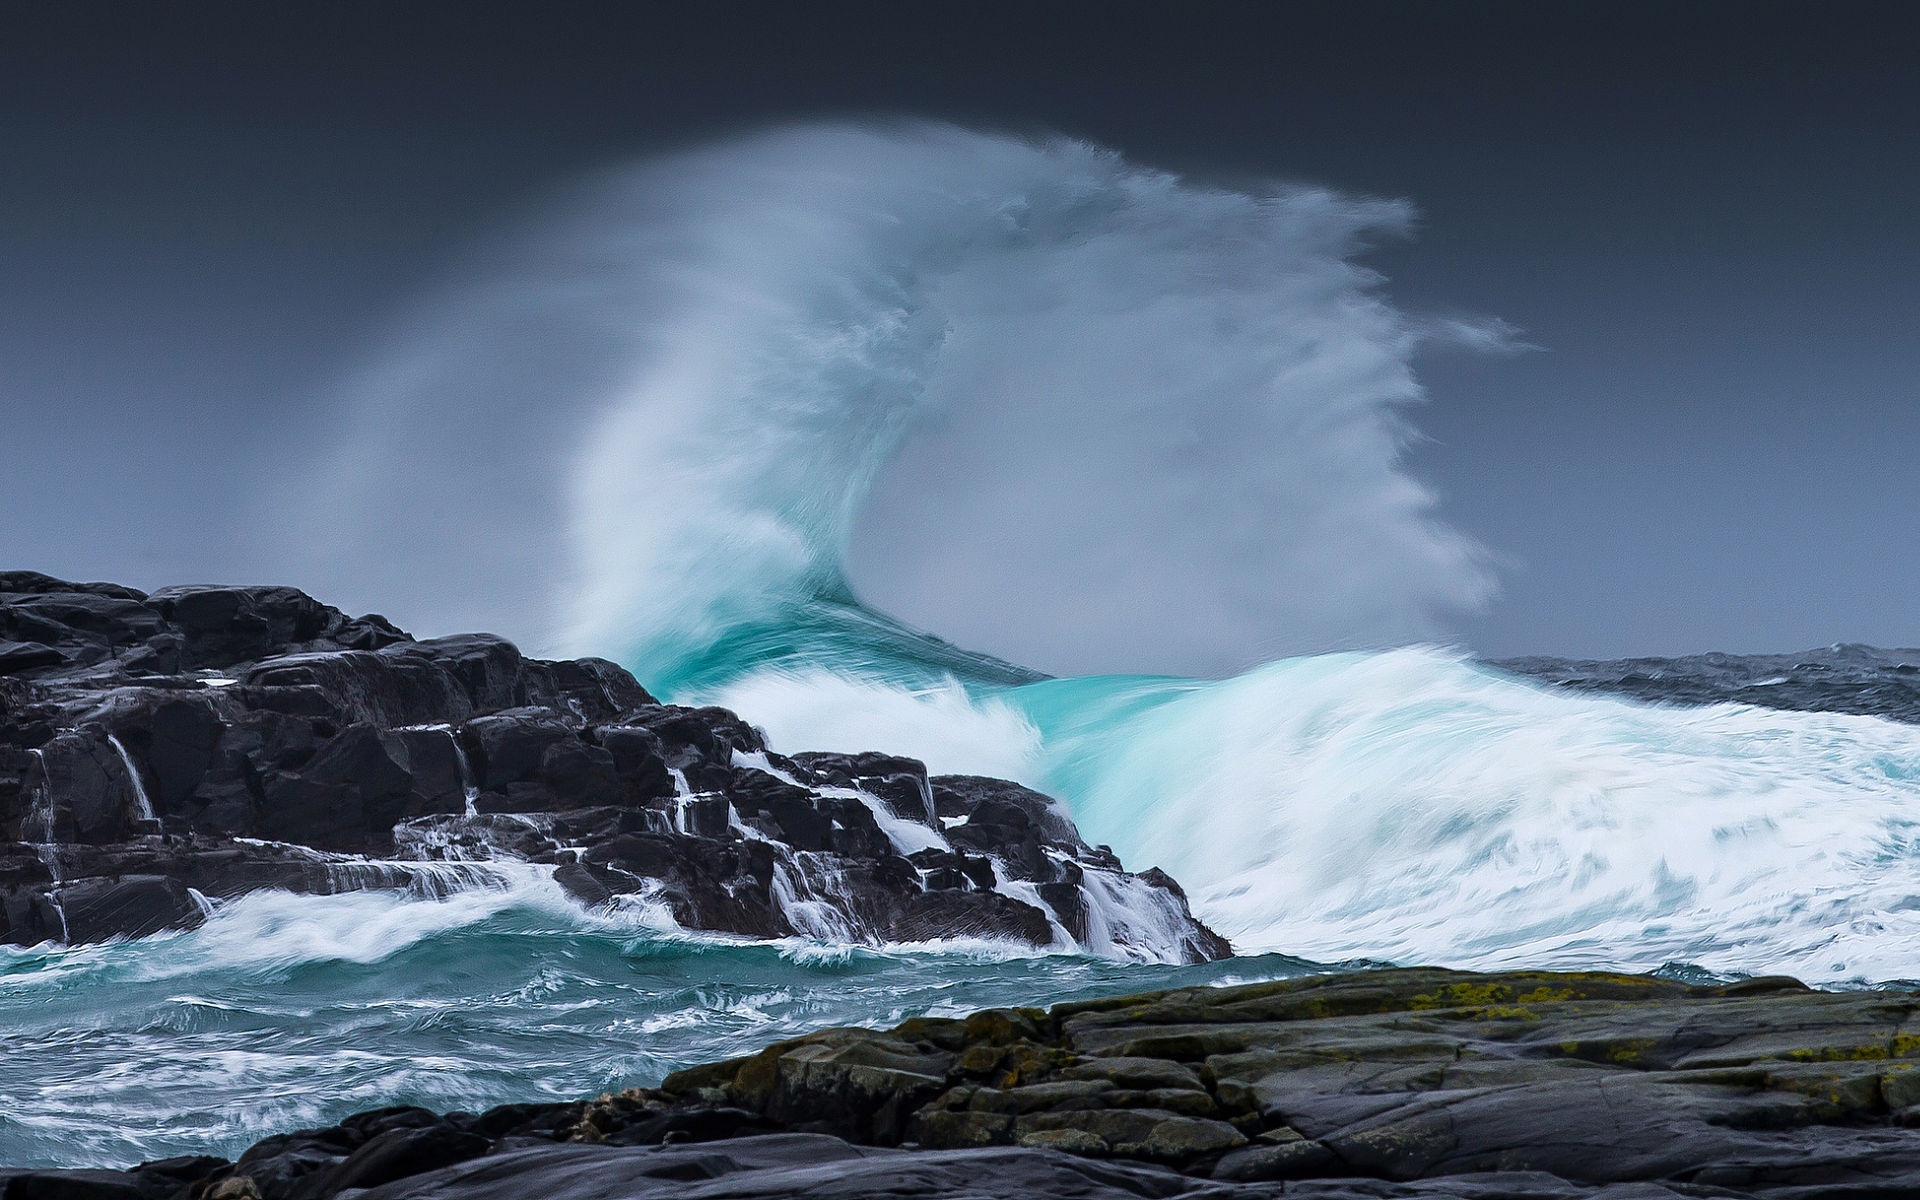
(753, 419)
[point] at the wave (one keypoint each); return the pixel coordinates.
(292, 1011)
(1417, 806)
(732, 406)
(1094, 418)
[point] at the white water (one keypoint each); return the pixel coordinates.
(38, 829)
(1093, 416)
(1017, 347)
(142, 807)
(469, 789)
(1415, 806)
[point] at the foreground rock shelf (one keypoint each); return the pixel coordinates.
(163, 752)
(1397, 1083)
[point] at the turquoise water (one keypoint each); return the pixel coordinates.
(286, 1012)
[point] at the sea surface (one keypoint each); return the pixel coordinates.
(286, 1012)
(799, 422)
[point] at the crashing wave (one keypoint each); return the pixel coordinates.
(1091, 416)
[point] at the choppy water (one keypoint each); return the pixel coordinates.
(1847, 678)
(293, 1011)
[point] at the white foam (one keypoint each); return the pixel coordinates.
(1019, 344)
(944, 727)
(1413, 806)
(277, 929)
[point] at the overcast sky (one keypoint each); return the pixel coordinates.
(1702, 216)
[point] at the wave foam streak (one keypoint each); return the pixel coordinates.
(1414, 806)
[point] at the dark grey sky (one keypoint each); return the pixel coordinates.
(1702, 214)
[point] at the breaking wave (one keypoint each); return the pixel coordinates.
(768, 409)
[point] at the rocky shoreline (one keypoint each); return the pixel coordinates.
(1390, 1083)
(161, 753)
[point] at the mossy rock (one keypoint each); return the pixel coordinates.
(1002, 1026)
(1117, 1126)
(937, 1129)
(1128, 1072)
(1041, 1097)
(1185, 1101)
(1012, 1065)
(1070, 1141)
(1185, 1138)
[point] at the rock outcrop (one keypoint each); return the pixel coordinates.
(162, 752)
(1393, 1083)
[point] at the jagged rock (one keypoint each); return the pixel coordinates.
(150, 743)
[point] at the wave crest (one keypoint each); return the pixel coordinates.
(1108, 417)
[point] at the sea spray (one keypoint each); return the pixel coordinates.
(1088, 414)
(973, 377)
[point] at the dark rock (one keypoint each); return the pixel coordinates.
(640, 763)
(84, 1185)
(995, 802)
(16, 657)
(188, 1168)
(97, 908)
(395, 1154)
(786, 1165)
(899, 782)
(508, 747)
(150, 743)
(226, 625)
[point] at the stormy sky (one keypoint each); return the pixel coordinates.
(1699, 218)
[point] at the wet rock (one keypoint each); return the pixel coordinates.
(127, 906)
(394, 1154)
(1292, 1158)
(785, 1165)
(901, 783)
(149, 743)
